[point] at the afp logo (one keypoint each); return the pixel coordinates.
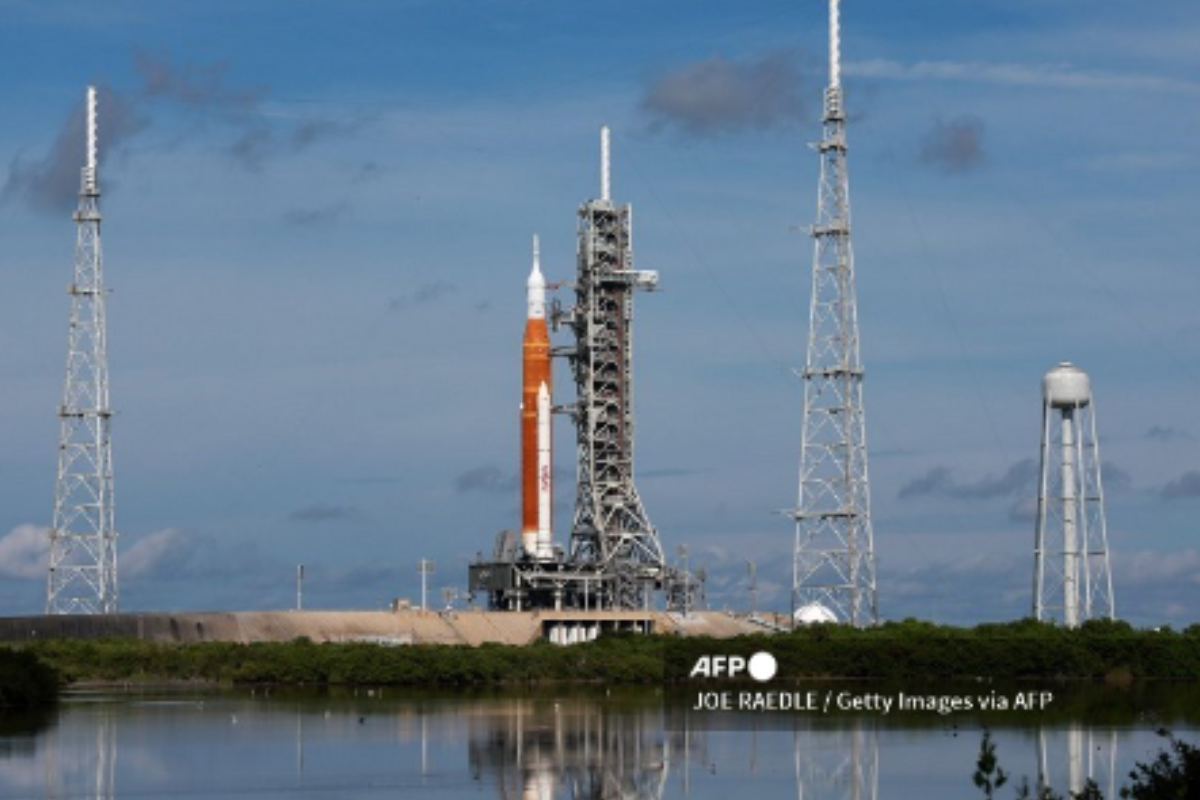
(760, 666)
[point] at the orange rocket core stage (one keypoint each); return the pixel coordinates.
(535, 360)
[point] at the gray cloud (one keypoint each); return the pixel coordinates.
(718, 96)
(368, 171)
(669, 472)
(948, 590)
(490, 480)
(954, 146)
(422, 295)
(25, 552)
(253, 146)
(1019, 481)
(310, 217)
(1023, 509)
(940, 481)
(50, 184)
(321, 512)
(1185, 487)
(1116, 480)
(205, 91)
(201, 86)
(315, 129)
(932, 482)
(1165, 433)
(262, 138)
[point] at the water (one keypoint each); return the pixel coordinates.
(553, 744)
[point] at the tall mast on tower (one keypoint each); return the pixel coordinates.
(833, 576)
(83, 538)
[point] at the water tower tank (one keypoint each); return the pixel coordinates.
(1067, 386)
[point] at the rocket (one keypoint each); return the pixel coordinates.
(537, 481)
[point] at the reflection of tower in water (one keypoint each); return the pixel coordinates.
(838, 764)
(1090, 755)
(81, 761)
(569, 749)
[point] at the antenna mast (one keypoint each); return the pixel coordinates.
(834, 562)
(83, 539)
(604, 172)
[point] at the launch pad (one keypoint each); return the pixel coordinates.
(523, 585)
(615, 559)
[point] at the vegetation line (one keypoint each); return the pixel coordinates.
(1111, 651)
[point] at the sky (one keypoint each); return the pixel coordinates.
(317, 220)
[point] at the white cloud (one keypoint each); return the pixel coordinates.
(1140, 161)
(148, 555)
(1148, 568)
(25, 552)
(1058, 76)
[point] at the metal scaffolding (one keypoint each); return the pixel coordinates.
(83, 539)
(610, 527)
(834, 560)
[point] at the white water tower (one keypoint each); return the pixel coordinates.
(1072, 581)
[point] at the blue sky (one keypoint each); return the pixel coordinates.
(317, 222)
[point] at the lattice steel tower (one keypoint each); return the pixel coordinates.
(834, 561)
(83, 539)
(610, 526)
(1072, 581)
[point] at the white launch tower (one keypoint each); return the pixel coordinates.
(1072, 581)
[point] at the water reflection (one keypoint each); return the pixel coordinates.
(838, 764)
(578, 749)
(1067, 761)
(573, 746)
(570, 748)
(61, 761)
(80, 762)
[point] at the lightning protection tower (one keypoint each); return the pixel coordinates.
(1071, 577)
(834, 561)
(83, 539)
(610, 528)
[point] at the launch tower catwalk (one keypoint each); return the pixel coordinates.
(83, 538)
(834, 562)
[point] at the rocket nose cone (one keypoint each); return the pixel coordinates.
(535, 294)
(536, 279)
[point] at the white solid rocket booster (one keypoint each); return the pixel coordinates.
(545, 475)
